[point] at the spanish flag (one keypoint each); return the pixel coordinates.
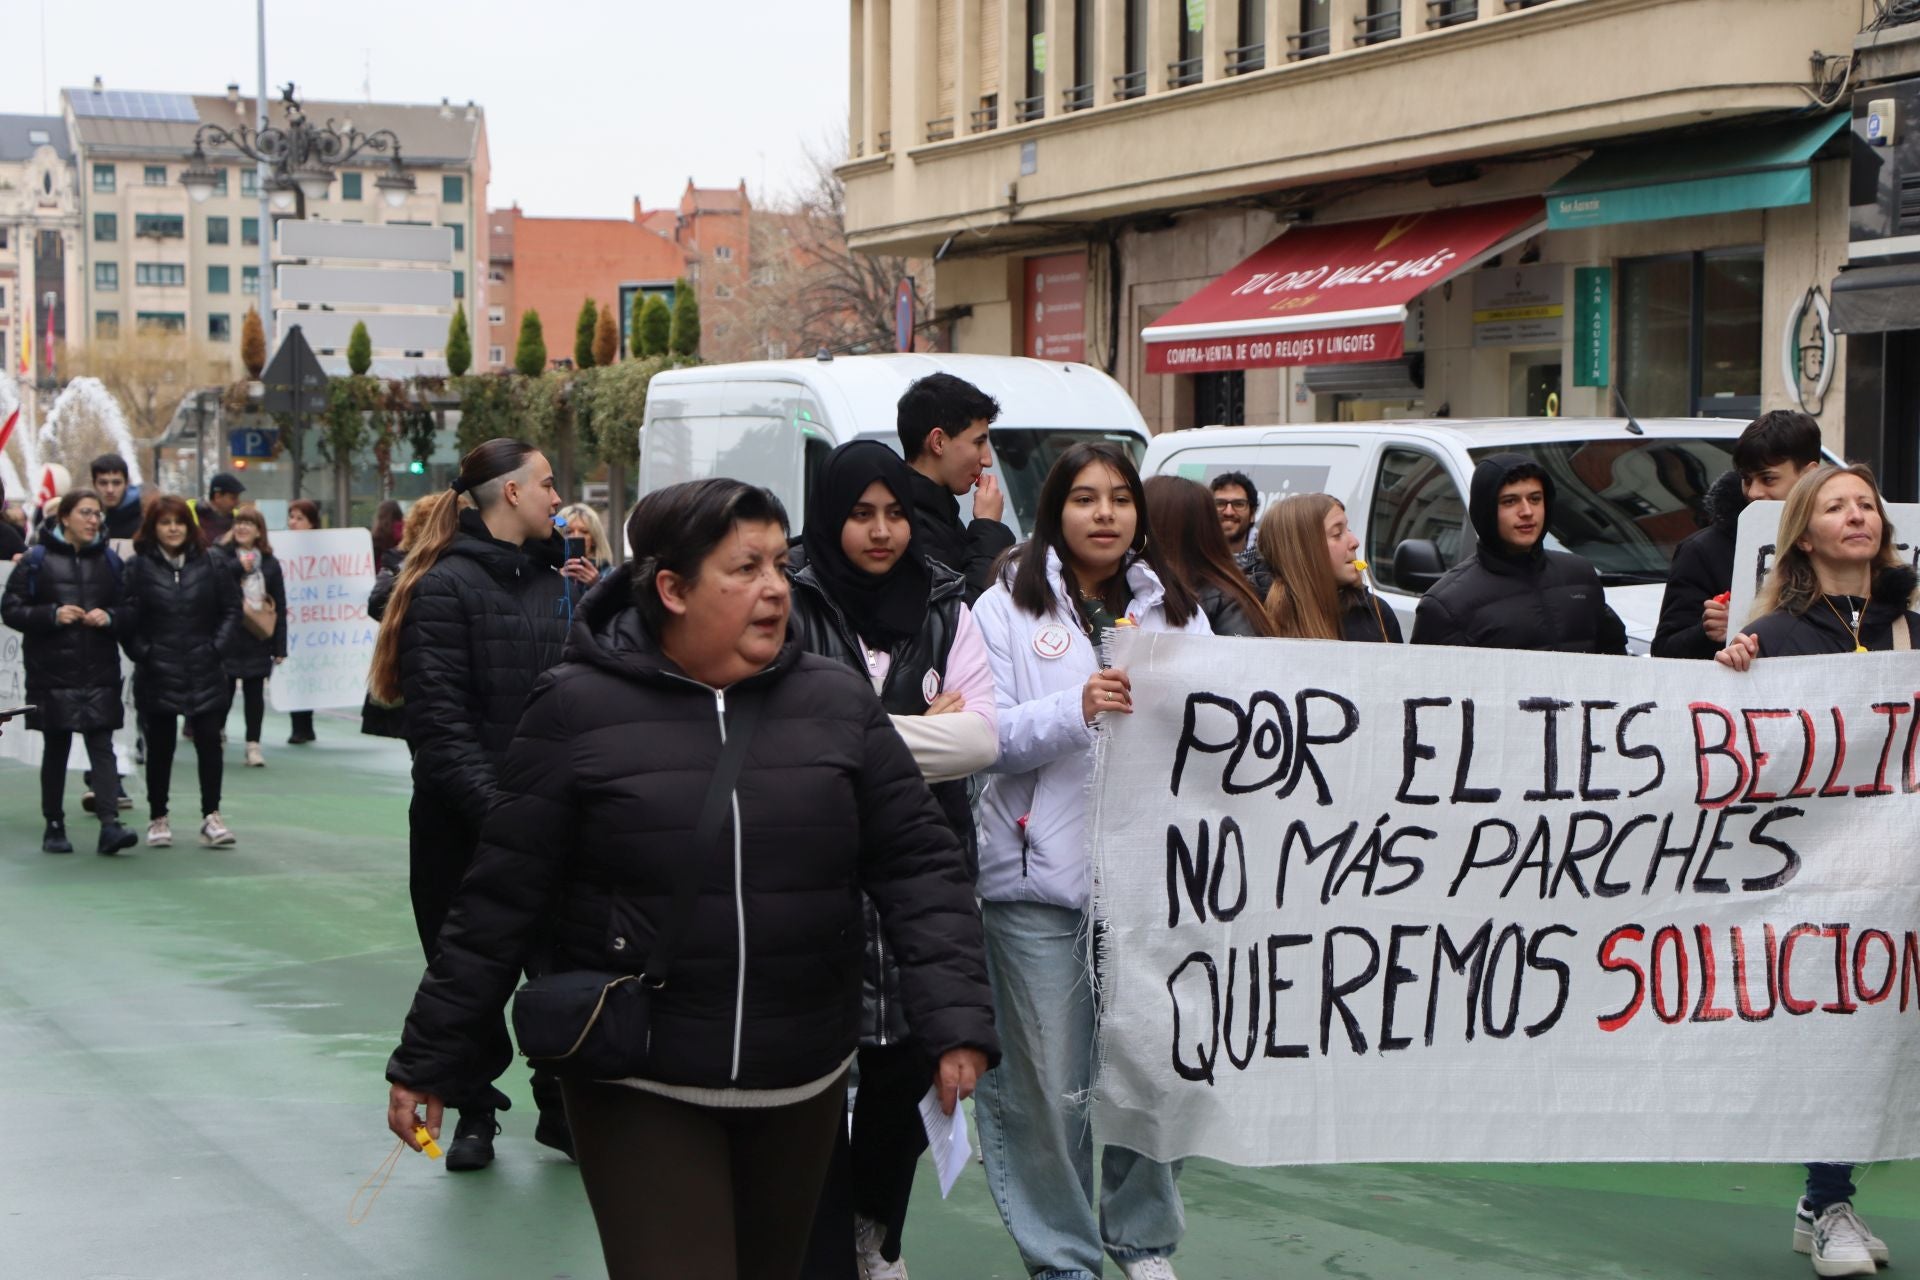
(26, 350)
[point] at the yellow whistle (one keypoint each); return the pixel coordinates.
(1361, 565)
(428, 1147)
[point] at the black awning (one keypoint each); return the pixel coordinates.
(1877, 299)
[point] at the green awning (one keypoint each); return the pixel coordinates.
(1760, 168)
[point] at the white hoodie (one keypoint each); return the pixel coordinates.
(1046, 745)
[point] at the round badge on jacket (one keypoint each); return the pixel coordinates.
(1052, 641)
(930, 685)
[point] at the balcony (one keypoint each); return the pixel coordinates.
(940, 130)
(1185, 72)
(1133, 84)
(1076, 97)
(1026, 110)
(1315, 42)
(986, 116)
(1376, 28)
(1451, 13)
(1248, 57)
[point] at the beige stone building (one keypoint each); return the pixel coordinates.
(150, 255)
(39, 265)
(1083, 168)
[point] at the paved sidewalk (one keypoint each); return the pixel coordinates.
(191, 1044)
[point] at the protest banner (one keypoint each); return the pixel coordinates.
(330, 638)
(1365, 903)
(1753, 550)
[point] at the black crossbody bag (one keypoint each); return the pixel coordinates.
(593, 1025)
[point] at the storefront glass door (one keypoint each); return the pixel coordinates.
(1690, 334)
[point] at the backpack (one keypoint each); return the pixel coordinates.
(37, 556)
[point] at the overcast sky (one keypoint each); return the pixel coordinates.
(588, 103)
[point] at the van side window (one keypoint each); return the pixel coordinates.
(1414, 496)
(815, 460)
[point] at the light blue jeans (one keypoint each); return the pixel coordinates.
(1032, 1109)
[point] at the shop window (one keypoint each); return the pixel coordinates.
(1690, 334)
(1220, 399)
(1414, 499)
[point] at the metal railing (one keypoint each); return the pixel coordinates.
(1131, 85)
(1026, 109)
(1451, 13)
(1185, 72)
(1315, 42)
(986, 116)
(1248, 57)
(1376, 28)
(940, 130)
(885, 141)
(1522, 4)
(1076, 97)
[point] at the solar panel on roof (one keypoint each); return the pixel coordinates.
(122, 104)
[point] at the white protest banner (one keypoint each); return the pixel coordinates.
(1753, 550)
(329, 635)
(1363, 903)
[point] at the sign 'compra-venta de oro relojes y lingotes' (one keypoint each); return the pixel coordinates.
(1365, 903)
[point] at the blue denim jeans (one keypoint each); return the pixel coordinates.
(1828, 1184)
(1035, 1129)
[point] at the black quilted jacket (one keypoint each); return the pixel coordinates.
(480, 627)
(179, 623)
(73, 671)
(598, 799)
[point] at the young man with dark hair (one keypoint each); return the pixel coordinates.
(1514, 593)
(1772, 453)
(120, 500)
(1238, 504)
(943, 423)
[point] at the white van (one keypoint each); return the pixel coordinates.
(773, 422)
(1627, 492)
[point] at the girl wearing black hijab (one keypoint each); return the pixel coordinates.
(866, 595)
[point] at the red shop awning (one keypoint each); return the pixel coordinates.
(1333, 294)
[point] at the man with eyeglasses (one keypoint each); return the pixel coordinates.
(1237, 502)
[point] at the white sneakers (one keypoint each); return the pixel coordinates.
(159, 834)
(1839, 1241)
(868, 1236)
(214, 833)
(254, 759)
(1150, 1268)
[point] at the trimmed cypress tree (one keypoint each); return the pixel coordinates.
(606, 339)
(635, 313)
(656, 324)
(530, 355)
(583, 327)
(685, 337)
(359, 350)
(253, 343)
(459, 342)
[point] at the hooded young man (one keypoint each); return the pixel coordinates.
(1514, 593)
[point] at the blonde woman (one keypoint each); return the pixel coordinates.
(1309, 576)
(583, 522)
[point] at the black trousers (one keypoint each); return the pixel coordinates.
(53, 772)
(872, 1173)
(253, 695)
(163, 738)
(681, 1192)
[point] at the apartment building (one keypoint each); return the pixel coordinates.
(151, 256)
(1331, 210)
(39, 265)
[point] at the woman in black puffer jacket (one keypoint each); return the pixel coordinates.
(244, 552)
(65, 598)
(730, 1112)
(182, 611)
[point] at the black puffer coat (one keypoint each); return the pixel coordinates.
(73, 671)
(480, 627)
(598, 799)
(823, 631)
(376, 719)
(1702, 569)
(1538, 599)
(1827, 630)
(179, 622)
(250, 657)
(969, 550)
(12, 541)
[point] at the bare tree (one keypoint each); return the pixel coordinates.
(150, 372)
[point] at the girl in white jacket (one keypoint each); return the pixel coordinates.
(1088, 567)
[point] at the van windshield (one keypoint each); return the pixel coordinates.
(1024, 455)
(1625, 503)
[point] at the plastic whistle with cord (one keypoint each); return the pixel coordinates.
(356, 1212)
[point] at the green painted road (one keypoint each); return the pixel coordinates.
(191, 1045)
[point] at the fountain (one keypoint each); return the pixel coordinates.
(82, 403)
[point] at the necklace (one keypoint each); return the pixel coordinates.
(1853, 628)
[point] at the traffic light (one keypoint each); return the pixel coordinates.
(417, 467)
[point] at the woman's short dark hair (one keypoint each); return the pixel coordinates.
(308, 508)
(168, 506)
(677, 527)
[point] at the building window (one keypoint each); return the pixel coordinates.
(156, 175)
(459, 284)
(220, 182)
(103, 179)
(1191, 67)
(219, 328)
(1251, 55)
(1078, 95)
(159, 273)
(106, 227)
(164, 321)
(459, 230)
(349, 186)
(216, 231)
(106, 324)
(496, 355)
(249, 182)
(160, 226)
(106, 276)
(496, 315)
(250, 280)
(1315, 36)
(721, 330)
(496, 275)
(1220, 399)
(721, 291)
(1379, 23)
(249, 231)
(1690, 334)
(1034, 104)
(724, 253)
(452, 188)
(219, 280)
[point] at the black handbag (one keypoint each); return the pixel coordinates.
(589, 1024)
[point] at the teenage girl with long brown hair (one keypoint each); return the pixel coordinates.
(1316, 588)
(1192, 548)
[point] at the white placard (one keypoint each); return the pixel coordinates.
(1753, 549)
(1544, 908)
(330, 638)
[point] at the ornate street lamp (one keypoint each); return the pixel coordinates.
(301, 156)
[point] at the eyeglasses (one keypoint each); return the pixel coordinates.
(1230, 504)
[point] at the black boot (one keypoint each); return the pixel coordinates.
(114, 837)
(552, 1131)
(55, 840)
(472, 1145)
